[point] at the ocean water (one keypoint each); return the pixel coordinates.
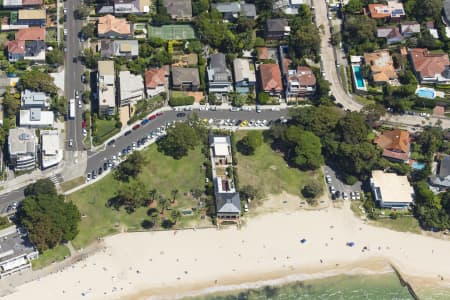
(378, 287)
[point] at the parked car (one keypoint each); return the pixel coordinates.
(159, 113)
(83, 78)
(124, 151)
(332, 189)
(84, 131)
(133, 146)
(246, 207)
(145, 121)
(70, 142)
(88, 177)
(152, 117)
(181, 115)
(344, 196)
(100, 171)
(105, 166)
(111, 142)
(136, 126)
(127, 133)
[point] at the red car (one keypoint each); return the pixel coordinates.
(159, 114)
(136, 126)
(152, 117)
(83, 124)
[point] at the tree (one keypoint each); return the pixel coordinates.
(163, 203)
(307, 148)
(175, 215)
(48, 219)
(82, 12)
(263, 98)
(88, 31)
(312, 189)
(306, 41)
(174, 193)
(11, 104)
(179, 140)
(373, 113)
(352, 128)
(131, 195)
(249, 192)
(131, 167)
(354, 7)
(199, 6)
(36, 80)
(59, 105)
(249, 143)
(427, 10)
(55, 57)
(196, 193)
(359, 33)
(152, 193)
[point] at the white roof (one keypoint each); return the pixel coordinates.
(221, 146)
(393, 188)
(131, 86)
(242, 70)
(42, 119)
(14, 264)
(50, 142)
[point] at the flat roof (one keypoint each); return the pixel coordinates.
(32, 14)
(22, 140)
(14, 245)
(392, 187)
(50, 142)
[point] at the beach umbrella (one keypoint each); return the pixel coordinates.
(303, 241)
(350, 244)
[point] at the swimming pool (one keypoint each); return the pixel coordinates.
(358, 77)
(426, 93)
(418, 165)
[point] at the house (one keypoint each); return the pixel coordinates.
(244, 76)
(8, 4)
(119, 48)
(381, 66)
(29, 44)
(219, 77)
(433, 31)
(392, 10)
(277, 28)
(157, 81)
(31, 17)
(22, 148)
(290, 7)
(111, 27)
(446, 12)
(106, 89)
(228, 204)
(185, 79)
(51, 150)
(234, 10)
(409, 28)
(131, 6)
(301, 82)
(395, 144)
(391, 190)
(442, 177)
(391, 34)
(36, 118)
(16, 251)
(430, 67)
(131, 88)
(270, 76)
(180, 10)
(30, 99)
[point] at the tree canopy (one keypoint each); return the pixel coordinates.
(36, 80)
(48, 219)
(131, 167)
(249, 143)
(179, 140)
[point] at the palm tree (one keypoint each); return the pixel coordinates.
(175, 215)
(174, 195)
(152, 194)
(163, 202)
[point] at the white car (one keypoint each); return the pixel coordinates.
(79, 104)
(328, 178)
(246, 207)
(84, 132)
(70, 142)
(275, 109)
(344, 196)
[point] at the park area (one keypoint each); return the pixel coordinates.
(269, 172)
(172, 32)
(162, 173)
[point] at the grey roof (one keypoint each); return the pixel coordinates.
(33, 48)
(444, 168)
(30, 98)
(21, 140)
(217, 70)
(178, 8)
(107, 9)
(227, 7)
(248, 10)
(242, 70)
(14, 245)
(110, 48)
(447, 9)
(183, 75)
(276, 24)
(228, 203)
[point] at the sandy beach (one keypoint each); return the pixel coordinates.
(168, 264)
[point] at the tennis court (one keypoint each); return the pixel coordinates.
(172, 32)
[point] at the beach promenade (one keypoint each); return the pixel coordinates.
(140, 265)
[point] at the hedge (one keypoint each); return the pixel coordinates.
(181, 100)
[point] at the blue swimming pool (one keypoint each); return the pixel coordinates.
(358, 77)
(426, 93)
(418, 165)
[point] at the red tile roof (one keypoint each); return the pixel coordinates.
(16, 47)
(32, 2)
(428, 64)
(377, 11)
(271, 77)
(305, 76)
(155, 77)
(31, 34)
(395, 143)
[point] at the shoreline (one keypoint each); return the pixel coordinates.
(267, 249)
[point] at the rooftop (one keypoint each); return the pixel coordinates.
(395, 143)
(381, 65)
(185, 75)
(222, 145)
(277, 25)
(22, 140)
(14, 244)
(271, 77)
(110, 23)
(392, 187)
(228, 203)
(31, 14)
(30, 98)
(242, 70)
(178, 8)
(106, 67)
(305, 76)
(429, 64)
(155, 77)
(131, 85)
(50, 142)
(444, 167)
(31, 34)
(35, 117)
(111, 48)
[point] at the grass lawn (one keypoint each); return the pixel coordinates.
(363, 100)
(162, 173)
(269, 172)
(68, 185)
(56, 254)
(104, 129)
(403, 224)
(343, 77)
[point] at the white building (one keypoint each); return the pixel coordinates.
(29, 99)
(22, 146)
(131, 88)
(16, 251)
(51, 150)
(391, 190)
(36, 118)
(106, 87)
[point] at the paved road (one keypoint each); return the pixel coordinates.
(73, 73)
(97, 159)
(8, 199)
(328, 59)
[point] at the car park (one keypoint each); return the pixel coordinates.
(79, 104)
(136, 126)
(138, 143)
(332, 189)
(129, 149)
(235, 109)
(145, 121)
(94, 174)
(328, 178)
(110, 163)
(338, 194)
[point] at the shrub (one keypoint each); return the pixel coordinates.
(181, 100)
(312, 190)
(351, 180)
